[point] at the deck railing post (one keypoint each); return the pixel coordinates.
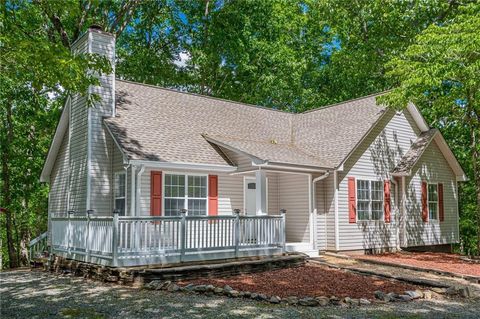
(115, 238)
(236, 212)
(87, 236)
(183, 233)
(283, 235)
(70, 233)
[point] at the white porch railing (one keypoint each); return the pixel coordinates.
(134, 241)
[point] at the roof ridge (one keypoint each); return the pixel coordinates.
(345, 102)
(204, 96)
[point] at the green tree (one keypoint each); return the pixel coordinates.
(440, 72)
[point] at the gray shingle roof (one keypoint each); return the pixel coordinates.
(159, 124)
(416, 150)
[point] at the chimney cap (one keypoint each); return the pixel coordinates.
(96, 27)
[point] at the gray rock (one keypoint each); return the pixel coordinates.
(254, 296)
(465, 292)
(291, 300)
(210, 288)
(247, 294)
(334, 300)
(200, 288)
(218, 290)
(404, 298)
(189, 287)
(323, 301)
(379, 295)
(164, 285)
(453, 290)
(364, 301)
(227, 288)
(111, 278)
(417, 294)
(233, 293)
(308, 301)
(275, 299)
(153, 285)
(173, 288)
(261, 297)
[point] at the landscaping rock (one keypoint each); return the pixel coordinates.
(334, 300)
(218, 290)
(233, 293)
(247, 294)
(173, 288)
(227, 288)
(189, 287)
(427, 294)
(439, 290)
(261, 297)
(453, 290)
(154, 285)
(165, 285)
(417, 294)
(275, 299)
(111, 279)
(292, 300)
(364, 301)
(308, 301)
(200, 288)
(465, 292)
(379, 295)
(323, 301)
(404, 298)
(254, 296)
(210, 288)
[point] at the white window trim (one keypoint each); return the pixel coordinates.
(185, 203)
(124, 197)
(370, 180)
(437, 218)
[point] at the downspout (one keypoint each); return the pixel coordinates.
(139, 189)
(335, 185)
(314, 203)
(403, 213)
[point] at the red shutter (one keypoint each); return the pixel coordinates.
(387, 203)
(352, 205)
(156, 193)
(212, 195)
(441, 212)
(424, 202)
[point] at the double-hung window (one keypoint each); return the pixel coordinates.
(185, 192)
(369, 200)
(432, 201)
(119, 192)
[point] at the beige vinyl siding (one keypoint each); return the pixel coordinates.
(323, 211)
(293, 196)
(58, 196)
(118, 166)
(101, 143)
(273, 196)
(433, 168)
(78, 129)
(373, 160)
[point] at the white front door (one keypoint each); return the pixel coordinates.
(250, 196)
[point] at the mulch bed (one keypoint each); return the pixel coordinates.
(436, 261)
(309, 280)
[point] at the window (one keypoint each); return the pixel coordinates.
(119, 192)
(369, 200)
(432, 201)
(185, 191)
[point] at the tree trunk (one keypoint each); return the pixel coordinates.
(476, 174)
(7, 199)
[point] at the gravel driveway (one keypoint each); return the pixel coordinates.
(26, 294)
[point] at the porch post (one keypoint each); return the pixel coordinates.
(261, 192)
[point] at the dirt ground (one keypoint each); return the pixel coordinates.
(438, 261)
(309, 280)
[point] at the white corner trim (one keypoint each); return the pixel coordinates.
(125, 157)
(63, 123)
(417, 117)
(185, 166)
(337, 232)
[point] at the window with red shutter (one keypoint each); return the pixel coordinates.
(156, 193)
(212, 195)
(387, 201)
(352, 209)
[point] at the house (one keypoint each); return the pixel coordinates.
(354, 176)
